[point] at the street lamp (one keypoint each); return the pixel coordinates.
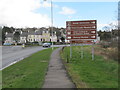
(51, 21)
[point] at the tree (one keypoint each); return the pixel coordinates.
(0, 35)
(62, 39)
(6, 29)
(16, 37)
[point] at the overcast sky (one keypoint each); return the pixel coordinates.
(36, 13)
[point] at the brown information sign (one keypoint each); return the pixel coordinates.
(81, 31)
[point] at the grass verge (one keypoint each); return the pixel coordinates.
(28, 73)
(0, 80)
(88, 73)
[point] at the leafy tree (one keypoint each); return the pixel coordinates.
(6, 29)
(62, 39)
(16, 37)
(0, 35)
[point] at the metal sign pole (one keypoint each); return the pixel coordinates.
(52, 21)
(93, 51)
(70, 51)
(82, 51)
(67, 53)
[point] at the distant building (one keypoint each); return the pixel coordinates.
(23, 37)
(31, 36)
(38, 36)
(43, 35)
(9, 38)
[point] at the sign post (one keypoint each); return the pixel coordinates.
(82, 51)
(70, 51)
(81, 32)
(93, 51)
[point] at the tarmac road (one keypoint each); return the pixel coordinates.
(13, 54)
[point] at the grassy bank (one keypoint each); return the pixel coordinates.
(88, 73)
(0, 80)
(28, 73)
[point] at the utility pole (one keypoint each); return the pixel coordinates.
(51, 21)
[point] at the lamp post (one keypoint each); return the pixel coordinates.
(51, 21)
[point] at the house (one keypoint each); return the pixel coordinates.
(23, 37)
(45, 35)
(34, 36)
(31, 36)
(9, 38)
(38, 36)
(53, 37)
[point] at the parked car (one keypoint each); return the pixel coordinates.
(7, 44)
(46, 45)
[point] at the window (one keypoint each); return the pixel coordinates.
(69, 37)
(93, 22)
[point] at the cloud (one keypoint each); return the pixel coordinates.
(67, 11)
(86, 0)
(110, 25)
(21, 13)
(101, 26)
(46, 4)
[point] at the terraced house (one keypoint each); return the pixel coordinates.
(31, 36)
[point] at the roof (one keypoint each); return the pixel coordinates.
(31, 33)
(38, 32)
(9, 35)
(24, 34)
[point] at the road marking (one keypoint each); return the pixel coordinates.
(19, 59)
(13, 63)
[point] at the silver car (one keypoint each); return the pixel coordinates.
(46, 45)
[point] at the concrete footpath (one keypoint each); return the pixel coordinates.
(56, 75)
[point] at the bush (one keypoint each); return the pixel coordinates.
(105, 44)
(29, 43)
(18, 44)
(35, 43)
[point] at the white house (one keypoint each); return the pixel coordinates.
(38, 35)
(9, 38)
(53, 37)
(31, 36)
(23, 37)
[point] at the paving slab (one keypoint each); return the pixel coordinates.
(57, 76)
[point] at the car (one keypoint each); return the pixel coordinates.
(7, 44)
(46, 45)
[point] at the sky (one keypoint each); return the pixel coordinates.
(37, 13)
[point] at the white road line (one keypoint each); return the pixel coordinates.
(19, 59)
(13, 63)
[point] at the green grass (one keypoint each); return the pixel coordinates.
(0, 80)
(88, 73)
(28, 73)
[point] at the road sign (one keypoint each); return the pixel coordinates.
(81, 30)
(82, 41)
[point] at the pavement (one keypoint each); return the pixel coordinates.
(57, 76)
